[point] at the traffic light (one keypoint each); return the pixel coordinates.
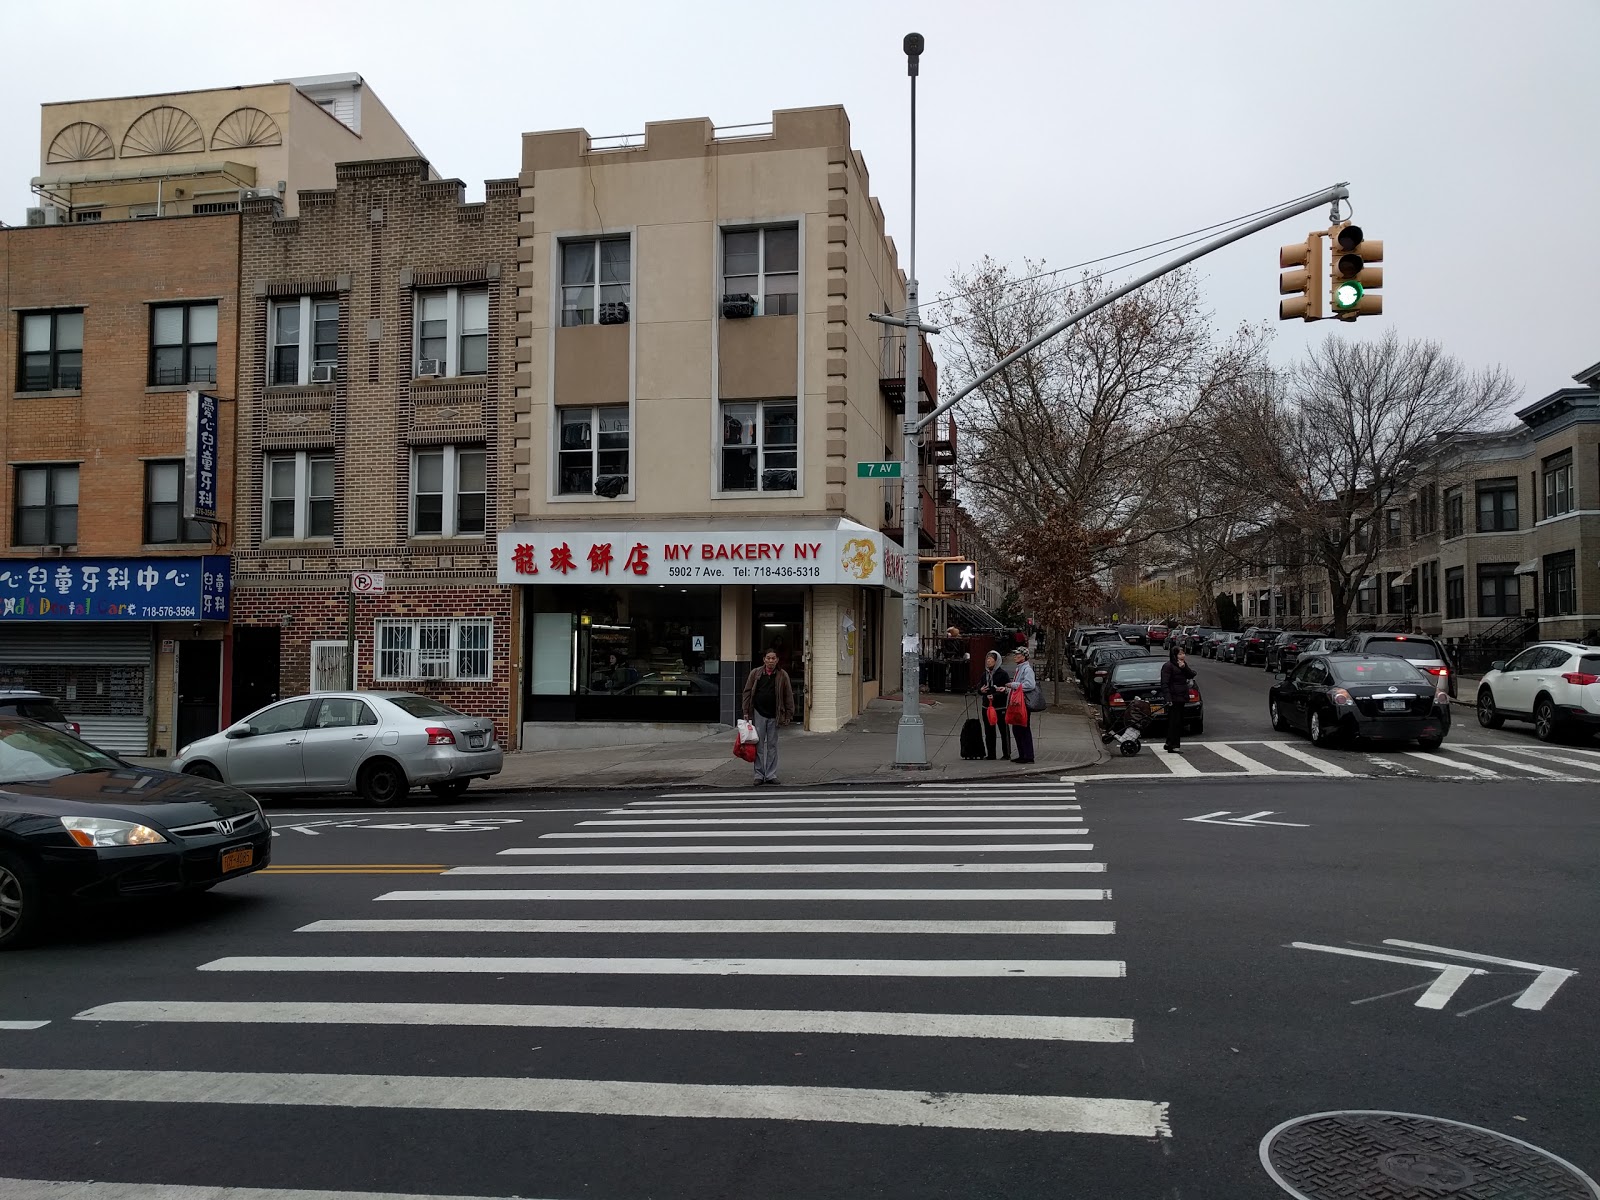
(955, 578)
(1353, 279)
(1302, 274)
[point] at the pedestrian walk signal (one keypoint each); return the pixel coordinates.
(954, 577)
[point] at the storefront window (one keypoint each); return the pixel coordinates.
(626, 654)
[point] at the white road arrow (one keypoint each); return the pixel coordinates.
(1451, 975)
(1252, 819)
(1535, 996)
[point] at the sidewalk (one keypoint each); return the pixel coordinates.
(861, 752)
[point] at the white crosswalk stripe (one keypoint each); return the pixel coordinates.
(893, 940)
(1299, 759)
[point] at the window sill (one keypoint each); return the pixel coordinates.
(589, 498)
(66, 551)
(446, 542)
(49, 394)
(387, 679)
(427, 381)
(162, 389)
(297, 543)
(164, 547)
(755, 494)
(299, 389)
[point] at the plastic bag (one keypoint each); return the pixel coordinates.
(747, 731)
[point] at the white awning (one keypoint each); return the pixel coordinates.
(1531, 567)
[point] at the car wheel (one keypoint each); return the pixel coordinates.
(382, 782)
(203, 770)
(449, 789)
(1321, 734)
(21, 901)
(1546, 724)
(1276, 713)
(1432, 743)
(1488, 715)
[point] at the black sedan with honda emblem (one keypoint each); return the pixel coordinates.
(1341, 697)
(79, 826)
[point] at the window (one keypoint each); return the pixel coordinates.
(205, 207)
(1560, 486)
(587, 463)
(1497, 505)
(1428, 510)
(582, 263)
(1314, 603)
(1454, 524)
(295, 354)
(1455, 593)
(1428, 575)
(1391, 527)
(1367, 596)
(183, 343)
(282, 718)
(163, 507)
(761, 446)
(1560, 584)
(1499, 591)
(343, 712)
(764, 263)
(447, 491)
(82, 215)
(453, 332)
(329, 665)
(300, 495)
(47, 506)
(1394, 593)
(434, 648)
(52, 351)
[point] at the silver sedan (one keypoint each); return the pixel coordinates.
(377, 744)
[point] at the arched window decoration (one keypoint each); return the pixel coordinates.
(82, 141)
(164, 130)
(244, 128)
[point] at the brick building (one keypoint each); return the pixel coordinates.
(110, 599)
(374, 425)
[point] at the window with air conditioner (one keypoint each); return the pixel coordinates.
(764, 264)
(52, 351)
(760, 446)
(164, 522)
(434, 648)
(452, 333)
(46, 508)
(304, 341)
(299, 495)
(447, 491)
(596, 277)
(592, 450)
(183, 343)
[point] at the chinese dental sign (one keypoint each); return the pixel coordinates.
(115, 589)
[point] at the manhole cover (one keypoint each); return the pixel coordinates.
(1401, 1156)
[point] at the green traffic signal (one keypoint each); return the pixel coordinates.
(1348, 295)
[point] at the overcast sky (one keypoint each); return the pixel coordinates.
(1064, 131)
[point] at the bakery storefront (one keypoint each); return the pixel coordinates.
(656, 624)
(131, 648)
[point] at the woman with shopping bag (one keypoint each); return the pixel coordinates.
(993, 691)
(1023, 700)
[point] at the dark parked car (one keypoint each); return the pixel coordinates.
(1416, 648)
(1134, 635)
(77, 825)
(1340, 697)
(1225, 646)
(1135, 677)
(1089, 638)
(1287, 647)
(1253, 643)
(1099, 663)
(1207, 641)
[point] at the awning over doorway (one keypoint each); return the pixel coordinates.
(970, 619)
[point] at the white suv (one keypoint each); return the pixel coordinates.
(1556, 685)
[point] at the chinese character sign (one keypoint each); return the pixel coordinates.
(116, 589)
(200, 465)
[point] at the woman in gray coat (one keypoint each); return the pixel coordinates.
(1022, 679)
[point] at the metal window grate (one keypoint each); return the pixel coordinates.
(434, 648)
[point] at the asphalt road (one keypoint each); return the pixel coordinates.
(326, 1025)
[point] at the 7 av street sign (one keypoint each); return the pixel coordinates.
(877, 470)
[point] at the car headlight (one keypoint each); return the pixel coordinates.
(101, 831)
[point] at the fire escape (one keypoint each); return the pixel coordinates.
(936, 484)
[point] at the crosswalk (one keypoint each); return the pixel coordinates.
(984, 918)
(1299, 759)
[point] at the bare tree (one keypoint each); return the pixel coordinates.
(1344, 435)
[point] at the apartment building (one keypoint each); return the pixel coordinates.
(197, 152)
(375, 413)
(697, 379)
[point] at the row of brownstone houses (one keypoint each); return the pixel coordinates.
(574, 454)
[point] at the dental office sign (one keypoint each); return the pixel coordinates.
(202, 437)
(115, 589)
(846, 555)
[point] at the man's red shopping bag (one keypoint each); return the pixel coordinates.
(743, 749)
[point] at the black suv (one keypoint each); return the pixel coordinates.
(1286, 647)
(1252, 645)
(1423, 652)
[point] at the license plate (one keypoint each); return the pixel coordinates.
(1158, 709)
(1394, 706)
(237, 860)
(475, 740)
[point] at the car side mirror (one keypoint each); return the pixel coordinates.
(242, 730)
(1498, 666)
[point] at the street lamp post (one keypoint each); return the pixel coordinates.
(911, 746)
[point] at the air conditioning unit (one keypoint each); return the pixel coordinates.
(430, 368)
(738, 304)
(610, 486)
(36, 216)
(323, 372)
(614, 312)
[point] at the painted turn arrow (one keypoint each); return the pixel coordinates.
(1452, 975)
(1252, 819)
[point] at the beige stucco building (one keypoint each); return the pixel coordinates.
(697, 378)
(180, 153)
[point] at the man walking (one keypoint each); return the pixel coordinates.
(768, 701)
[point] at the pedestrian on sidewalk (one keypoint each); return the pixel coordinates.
(1022, 678)
(768, 701)
(994, 690)
(1175, 677)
